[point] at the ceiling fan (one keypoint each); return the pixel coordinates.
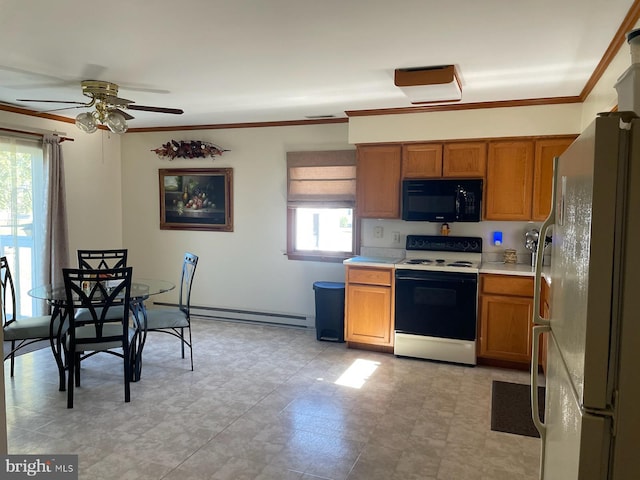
(109, 108)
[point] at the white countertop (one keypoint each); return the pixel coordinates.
(372, 261)
(502, 268)
(499, 268)
(521, 269)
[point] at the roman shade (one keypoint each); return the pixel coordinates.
(321, 179)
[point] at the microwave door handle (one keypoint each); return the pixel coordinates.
(459, 200)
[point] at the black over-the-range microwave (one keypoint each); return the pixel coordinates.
(442, 200)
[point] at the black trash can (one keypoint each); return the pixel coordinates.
(329, 311)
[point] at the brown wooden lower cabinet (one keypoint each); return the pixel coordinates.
(506, 319)
(369, 306)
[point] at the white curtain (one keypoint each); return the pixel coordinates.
(56, 236)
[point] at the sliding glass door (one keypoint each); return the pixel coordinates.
(22, 214)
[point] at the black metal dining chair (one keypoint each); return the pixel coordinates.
(104, 325)
(21, 332)
(113, 258)
(176, 320)
(101, 259)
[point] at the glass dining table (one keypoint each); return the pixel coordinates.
(141, 290)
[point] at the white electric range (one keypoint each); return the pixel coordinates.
(436, 288)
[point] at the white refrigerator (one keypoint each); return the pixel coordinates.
(591, 427)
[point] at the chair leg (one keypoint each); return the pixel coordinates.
(13, 355)
(70, 379)
(182, 341)
(127, 374)
(135, 357)
(76, 359)
(58, 346)
(57, 349)
(191, 347)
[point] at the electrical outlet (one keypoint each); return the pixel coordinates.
(378, 232)
(396, 237)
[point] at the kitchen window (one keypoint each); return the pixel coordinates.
(321, 193)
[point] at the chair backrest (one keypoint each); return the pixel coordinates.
(7, 293)
(103, 293)
(188, 271)
(102, 259)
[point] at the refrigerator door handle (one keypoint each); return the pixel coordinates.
(550, 221)
(540, 426)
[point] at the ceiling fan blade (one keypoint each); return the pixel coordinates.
(63, 108)
(110, 99)
(41, 85)
(52, 101)
(123, 113)
(135, 88)
(9, 104)
(45, 80)
(175, 111)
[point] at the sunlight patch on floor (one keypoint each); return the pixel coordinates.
(358, 373)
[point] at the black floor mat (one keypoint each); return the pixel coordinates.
(511, 408)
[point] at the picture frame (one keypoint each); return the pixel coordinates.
(196, 199)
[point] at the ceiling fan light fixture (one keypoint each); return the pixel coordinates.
(116, 122)
(104, 98)
(86, 122)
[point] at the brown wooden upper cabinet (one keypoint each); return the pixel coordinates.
(378, 181)
(464, 159)
(546, 150)
(518, 173)
(509, 185)
(520, 176)
(422, 160)
(435, 160)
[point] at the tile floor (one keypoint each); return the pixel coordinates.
(268, 403)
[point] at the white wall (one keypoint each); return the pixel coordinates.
(462, 124)
(245, 269)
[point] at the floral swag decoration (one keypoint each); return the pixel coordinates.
(188, 149)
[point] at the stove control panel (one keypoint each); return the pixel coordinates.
(444, 243)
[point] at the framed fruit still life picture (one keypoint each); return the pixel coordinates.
(196, 199)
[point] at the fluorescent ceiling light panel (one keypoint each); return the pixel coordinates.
(429, 84)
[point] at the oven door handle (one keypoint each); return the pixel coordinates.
(436, 278)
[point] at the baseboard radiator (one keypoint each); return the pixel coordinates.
(250, 316)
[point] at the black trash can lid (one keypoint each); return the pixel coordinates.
(328, 285)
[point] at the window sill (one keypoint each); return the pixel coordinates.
(309, 257)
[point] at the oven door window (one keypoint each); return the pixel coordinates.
(434, 297)
(444, 306)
